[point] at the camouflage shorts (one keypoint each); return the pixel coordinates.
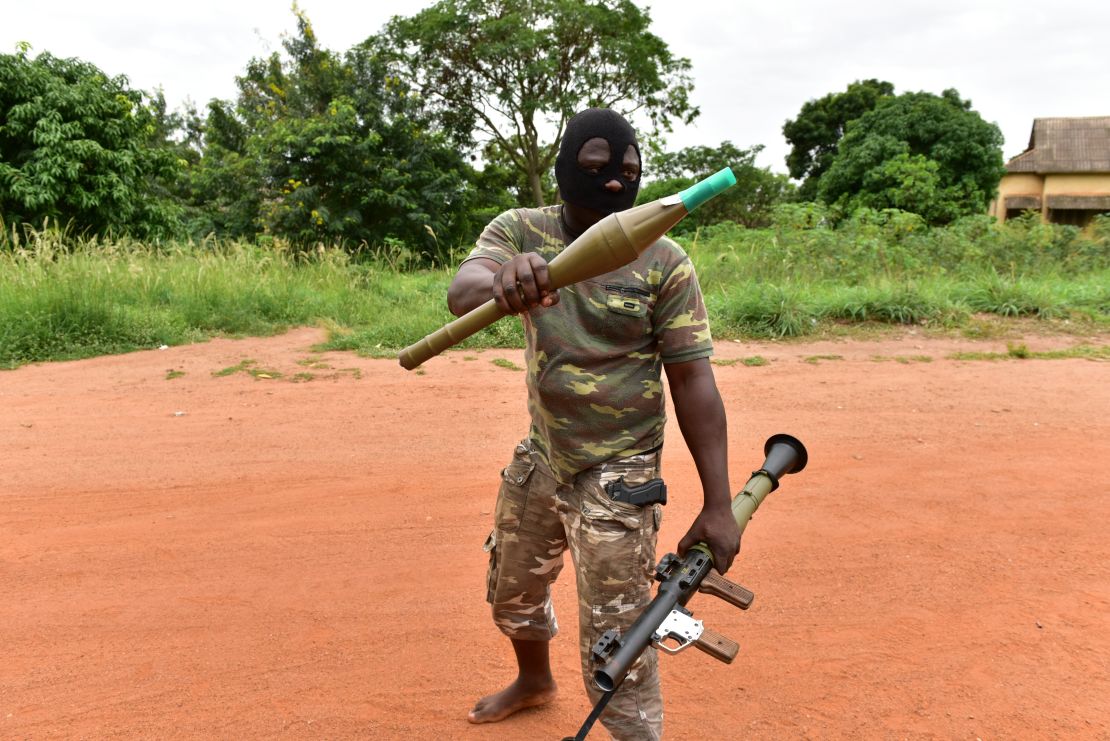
(612, 545)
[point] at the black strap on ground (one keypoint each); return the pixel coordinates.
(594, 714)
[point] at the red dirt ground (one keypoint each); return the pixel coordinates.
(224, 556)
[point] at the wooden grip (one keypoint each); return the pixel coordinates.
(717, 646)
(718, 586)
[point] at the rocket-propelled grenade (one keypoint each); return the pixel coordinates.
(666, 622)
(611, 243)
(680, 578)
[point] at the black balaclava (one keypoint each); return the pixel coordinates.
(580, 187)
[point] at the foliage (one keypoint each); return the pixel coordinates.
(63, 296)
(514, 71)
(749, 202)
(889, 267)
(66, 297)
(80, 148)
(323, 148)
(895, 245)
(905, 182)
(222, 186)
(929, 154)
(499, 170)
(819, 126)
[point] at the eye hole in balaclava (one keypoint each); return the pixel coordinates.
(587, 189)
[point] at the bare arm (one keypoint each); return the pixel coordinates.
(701, 417)
(521, 284)
(472, 286)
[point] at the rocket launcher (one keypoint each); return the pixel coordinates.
(611, 243)
(666, 623)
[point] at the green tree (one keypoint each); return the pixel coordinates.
(334, 148)
(81, 148)
(750, 202)
(815, 133)
(498, 167)
(929, 154)
(224, 183)
(513, 72)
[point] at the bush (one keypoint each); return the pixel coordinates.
(79, 149)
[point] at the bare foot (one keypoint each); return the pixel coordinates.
(516, 696)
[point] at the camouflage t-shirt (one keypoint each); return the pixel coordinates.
(595, 358)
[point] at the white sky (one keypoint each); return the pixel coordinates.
(754, 63)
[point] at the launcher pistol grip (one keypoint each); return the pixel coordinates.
(641, 495)
(729, 591)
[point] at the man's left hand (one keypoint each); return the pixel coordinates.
(717, 529)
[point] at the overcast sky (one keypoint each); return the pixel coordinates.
(754, 63)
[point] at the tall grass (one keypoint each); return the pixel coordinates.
(888, 267)
(64, 297)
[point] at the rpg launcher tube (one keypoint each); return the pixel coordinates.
(611, 243)
(784, 454)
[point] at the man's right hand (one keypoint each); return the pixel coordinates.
(523, 283)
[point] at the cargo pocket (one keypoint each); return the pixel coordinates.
(613, 541)
(619, 572)
(512, 498)
(618, 550)
(490, 547)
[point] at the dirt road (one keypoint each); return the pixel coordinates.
(238, 555)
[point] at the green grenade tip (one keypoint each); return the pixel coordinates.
(700, 192)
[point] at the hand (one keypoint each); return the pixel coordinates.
(523, 283)
(717, 529)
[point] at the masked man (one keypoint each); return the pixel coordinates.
(595, 354)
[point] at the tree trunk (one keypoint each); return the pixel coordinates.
(536, 186)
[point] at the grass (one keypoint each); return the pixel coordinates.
(752, 362)
(231, 370)
(63, 297)
(903, 359)
(61, 301)
(247, 366)
(506, 364)
(1021, 352)
(888, 268)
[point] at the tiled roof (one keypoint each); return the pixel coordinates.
(1060, 145)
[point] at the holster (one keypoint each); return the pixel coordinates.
(649, 492)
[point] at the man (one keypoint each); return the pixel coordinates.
(595, 352)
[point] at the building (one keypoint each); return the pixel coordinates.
(1064, 173)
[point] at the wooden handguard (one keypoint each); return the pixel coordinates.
(718, 586)
(717, 646)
